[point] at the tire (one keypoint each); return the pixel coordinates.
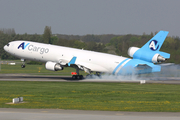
(23, 66)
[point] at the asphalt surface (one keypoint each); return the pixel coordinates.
(58, 114)
(27, 77)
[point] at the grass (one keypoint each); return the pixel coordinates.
(86, 96)
(34, 69)
(92, 96)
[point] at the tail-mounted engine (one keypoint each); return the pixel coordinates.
(53, 66)
(150, 56)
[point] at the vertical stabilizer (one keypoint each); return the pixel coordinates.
(150, 51)
(155, 43)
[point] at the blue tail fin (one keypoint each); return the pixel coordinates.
(150, 51)
(155, 43)
(144, 57)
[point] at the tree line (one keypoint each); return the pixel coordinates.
(112, 44)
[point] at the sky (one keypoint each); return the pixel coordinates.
(81, 17)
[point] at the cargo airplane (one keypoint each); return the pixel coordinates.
(58, 57)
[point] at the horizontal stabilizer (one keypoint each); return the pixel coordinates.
(147, 68)
(164, 54)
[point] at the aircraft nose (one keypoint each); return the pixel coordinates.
(6, 47)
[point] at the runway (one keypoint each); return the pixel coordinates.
(58, 114)
(28, 77)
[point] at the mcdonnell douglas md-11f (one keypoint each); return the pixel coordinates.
(58, 57)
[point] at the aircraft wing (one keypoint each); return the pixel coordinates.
(86, 66)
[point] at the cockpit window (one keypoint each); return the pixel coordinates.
(8, 44)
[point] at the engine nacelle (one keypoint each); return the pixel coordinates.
(53, 66)
(149, 56)
(132, 50)
(158, 58)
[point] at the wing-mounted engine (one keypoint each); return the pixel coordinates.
(53, 66)
(146, 55)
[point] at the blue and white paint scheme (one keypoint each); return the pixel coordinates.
(58, 57)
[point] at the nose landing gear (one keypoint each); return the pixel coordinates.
(23, 66)
(23, 63)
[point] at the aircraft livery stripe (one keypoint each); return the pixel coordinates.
(122, 65)
(119, 65)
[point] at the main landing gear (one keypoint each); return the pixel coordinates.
(94, 76)
(76, 75)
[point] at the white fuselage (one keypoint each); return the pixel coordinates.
(96, 61)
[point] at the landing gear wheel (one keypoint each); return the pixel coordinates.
(78, 77)
(23, 63)
(23, 66)
(94, 76)
(73, 77)
(98, 74)
(81, 76)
